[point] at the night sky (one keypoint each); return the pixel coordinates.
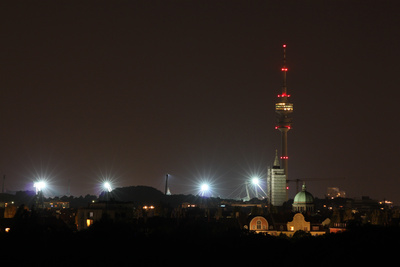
(132, 90)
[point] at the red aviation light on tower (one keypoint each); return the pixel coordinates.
(284, 95)
(284, 69)
(281, 126)
(284, 46)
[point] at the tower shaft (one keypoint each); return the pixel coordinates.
(284, 158)
(284, 150)
(284, 109)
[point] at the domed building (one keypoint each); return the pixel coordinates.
(303, 201)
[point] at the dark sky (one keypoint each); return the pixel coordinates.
(131, 90)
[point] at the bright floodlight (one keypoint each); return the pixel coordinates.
(204, 187)
(255, 181)
(107, 186)
(39, 185)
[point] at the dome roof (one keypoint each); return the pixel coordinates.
(303, 197)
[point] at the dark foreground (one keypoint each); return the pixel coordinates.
(162, 242)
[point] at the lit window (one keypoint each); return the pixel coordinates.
(89, 222)
(284, 106)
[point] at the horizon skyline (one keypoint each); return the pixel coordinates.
(130, 91)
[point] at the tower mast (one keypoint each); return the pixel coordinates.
(284, 109)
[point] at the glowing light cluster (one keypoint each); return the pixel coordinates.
(107, 186)
(284, 157)
(204, 187)
(255, 181)
(39, 185)
(284, 69)
(258, 184)
(284, 106)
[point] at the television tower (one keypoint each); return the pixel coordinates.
(284, 110)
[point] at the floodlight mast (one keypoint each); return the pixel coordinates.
(255, 181)
(107, 186)
(166, 184)
(107, 190)
(39, 186)
(204, 188)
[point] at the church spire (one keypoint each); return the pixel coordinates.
(276, 161)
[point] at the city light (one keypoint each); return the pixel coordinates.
(107, 186)
(204, 188)
(257, 185)
(39, 185)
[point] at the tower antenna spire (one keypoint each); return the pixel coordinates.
(284, 70)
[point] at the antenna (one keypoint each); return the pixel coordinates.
(284, 70)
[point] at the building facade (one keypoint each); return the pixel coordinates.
(259, 224)
(276, 181)
(114, 211)
(334, 192)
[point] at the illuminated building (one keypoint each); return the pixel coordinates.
(334, 192)
(303, 201)
(56, 205)
(276, 180)
(298, 223)
(260, 224)
(284, 109)
(112, 210)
